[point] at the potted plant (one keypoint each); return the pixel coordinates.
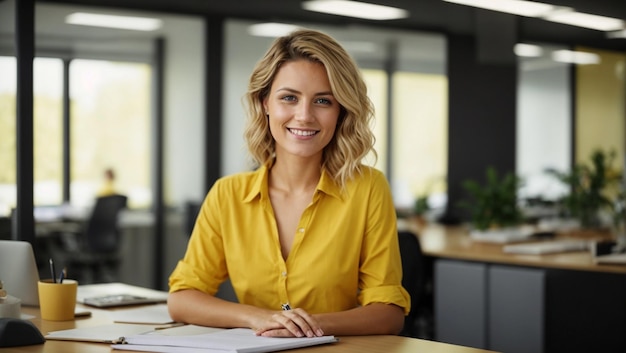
(494, 210)
(592, 189)
(420, 208)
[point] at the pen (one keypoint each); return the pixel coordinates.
(53, 271)
(63, 275)
(172, 325)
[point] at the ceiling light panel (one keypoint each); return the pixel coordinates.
(575, 57)
(271, 29)
(355, 9)
(527, 50)
(579, 19)
(516, 7)
(114, 21)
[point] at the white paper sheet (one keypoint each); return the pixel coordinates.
(156, 314)
(105, 333)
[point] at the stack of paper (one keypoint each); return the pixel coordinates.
(611, 259)
(547, 247)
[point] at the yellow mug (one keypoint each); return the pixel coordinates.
(57, 301)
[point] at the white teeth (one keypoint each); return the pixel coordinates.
(303, 132)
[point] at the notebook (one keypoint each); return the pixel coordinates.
(18, 271)
(236, 340)
(108, 295)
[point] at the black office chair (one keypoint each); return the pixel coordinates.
(5, 228)
(412, 278)
(93, 255)
(192, 208)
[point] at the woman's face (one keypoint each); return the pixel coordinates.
(302, 110)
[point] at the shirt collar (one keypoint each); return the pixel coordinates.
(260, 186)
(328, 186)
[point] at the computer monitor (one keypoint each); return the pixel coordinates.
(18, 271)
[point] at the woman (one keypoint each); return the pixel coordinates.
(309, 239)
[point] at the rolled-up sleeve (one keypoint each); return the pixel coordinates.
(381, 266)
(203, 266)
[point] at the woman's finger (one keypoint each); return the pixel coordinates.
(305, 322)
(281, 332)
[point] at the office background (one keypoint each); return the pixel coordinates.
(494, 109)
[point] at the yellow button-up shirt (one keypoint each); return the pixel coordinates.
(345, 252)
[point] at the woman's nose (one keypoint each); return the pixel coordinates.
(304, 112)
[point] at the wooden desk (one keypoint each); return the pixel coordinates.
(454, 243)
(352, 344)
(486, 298)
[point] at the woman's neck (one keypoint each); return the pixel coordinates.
(295, 175)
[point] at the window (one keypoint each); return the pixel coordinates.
(8, 194)
(420, 137)
(48, 131)
(419, 143)
(110, 128)
(376, 81)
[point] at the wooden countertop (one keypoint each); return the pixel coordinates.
(454, 242)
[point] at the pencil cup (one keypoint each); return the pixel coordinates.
(57, 301)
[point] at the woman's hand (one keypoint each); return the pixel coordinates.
(290, 323)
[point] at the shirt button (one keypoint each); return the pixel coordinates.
(284, 273)
(301, 230)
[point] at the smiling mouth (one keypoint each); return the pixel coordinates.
(303, 132)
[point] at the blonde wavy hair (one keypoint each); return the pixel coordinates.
(353, 138)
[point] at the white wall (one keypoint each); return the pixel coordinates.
(543, 126)
(184, 123)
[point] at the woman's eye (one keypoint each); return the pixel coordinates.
(323, 101)
(289, 98)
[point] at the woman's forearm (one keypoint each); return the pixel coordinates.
(194, 307)
(372, 319)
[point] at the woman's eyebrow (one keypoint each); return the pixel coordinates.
(291, 90)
